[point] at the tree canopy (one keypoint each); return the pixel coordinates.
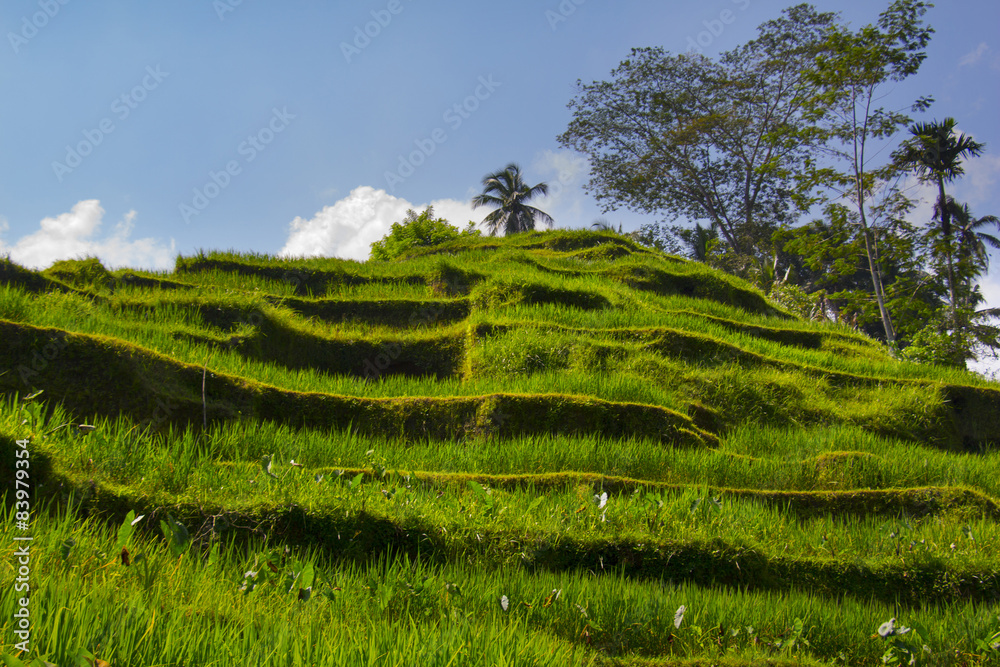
(796, 122)
(851, 72)
(685, 136)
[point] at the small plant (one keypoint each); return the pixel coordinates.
(990, 646)
(356, 481)
(654, 508)
(266, 465)
(176, 534)
(296, 578)
(484, 495)
(33, 412)
(795, 637)
(378, 463)
(902, 651)
(705, 505)
(145, 574)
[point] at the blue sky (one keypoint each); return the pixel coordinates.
(135, 131)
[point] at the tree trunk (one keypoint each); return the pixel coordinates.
(890, 332)
(946, 231)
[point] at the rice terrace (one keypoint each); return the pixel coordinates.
(393, 441)
(552, 448)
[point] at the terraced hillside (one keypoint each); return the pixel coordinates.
(558, 448)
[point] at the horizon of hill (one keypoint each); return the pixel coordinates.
(551, 448)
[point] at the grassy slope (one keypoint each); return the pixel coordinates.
(417, 439)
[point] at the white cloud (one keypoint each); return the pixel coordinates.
(988, 365)
(458, 213)
(72, 235)
(990, 286)
(979, 185)
(974, 56)
(565, 172)
(347, 228)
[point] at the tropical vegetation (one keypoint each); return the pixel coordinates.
(506, 190)
(564, 447)
(793, 124)
(547, 448)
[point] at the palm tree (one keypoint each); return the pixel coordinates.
(506, 190)
(702, 240)
(602, 225)
(970, 242)
(935, 152)
(966, 327)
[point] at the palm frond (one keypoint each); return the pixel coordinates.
(508, 193)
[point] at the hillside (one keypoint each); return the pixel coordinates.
(555, 448)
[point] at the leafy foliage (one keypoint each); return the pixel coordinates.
(684, 135)
(507, 191)
(851, 74)
(417, 231)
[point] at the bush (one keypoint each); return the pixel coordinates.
(417, 231)
(935, 344)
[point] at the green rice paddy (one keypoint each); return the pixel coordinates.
(554, 449)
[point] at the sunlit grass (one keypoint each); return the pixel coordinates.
(191, 609)
(832, 490)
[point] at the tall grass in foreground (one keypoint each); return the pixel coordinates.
(222, 468)
(751, 457)
(511, 540)
(178, 603)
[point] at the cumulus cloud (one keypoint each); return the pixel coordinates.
(982, 176)
(990, 286)
(565, 172)
(975, 55)
(73, 235)
(347, 228)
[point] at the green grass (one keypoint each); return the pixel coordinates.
(790, 483)
(191, 609)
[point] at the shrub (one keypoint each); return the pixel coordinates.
(417, 231)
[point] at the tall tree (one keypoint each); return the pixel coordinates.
(959, 331)
(971, 241)
(851, 73)
(935, 152)
(507, 191)
(686, 136)
(830, 259)
(964, 331)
